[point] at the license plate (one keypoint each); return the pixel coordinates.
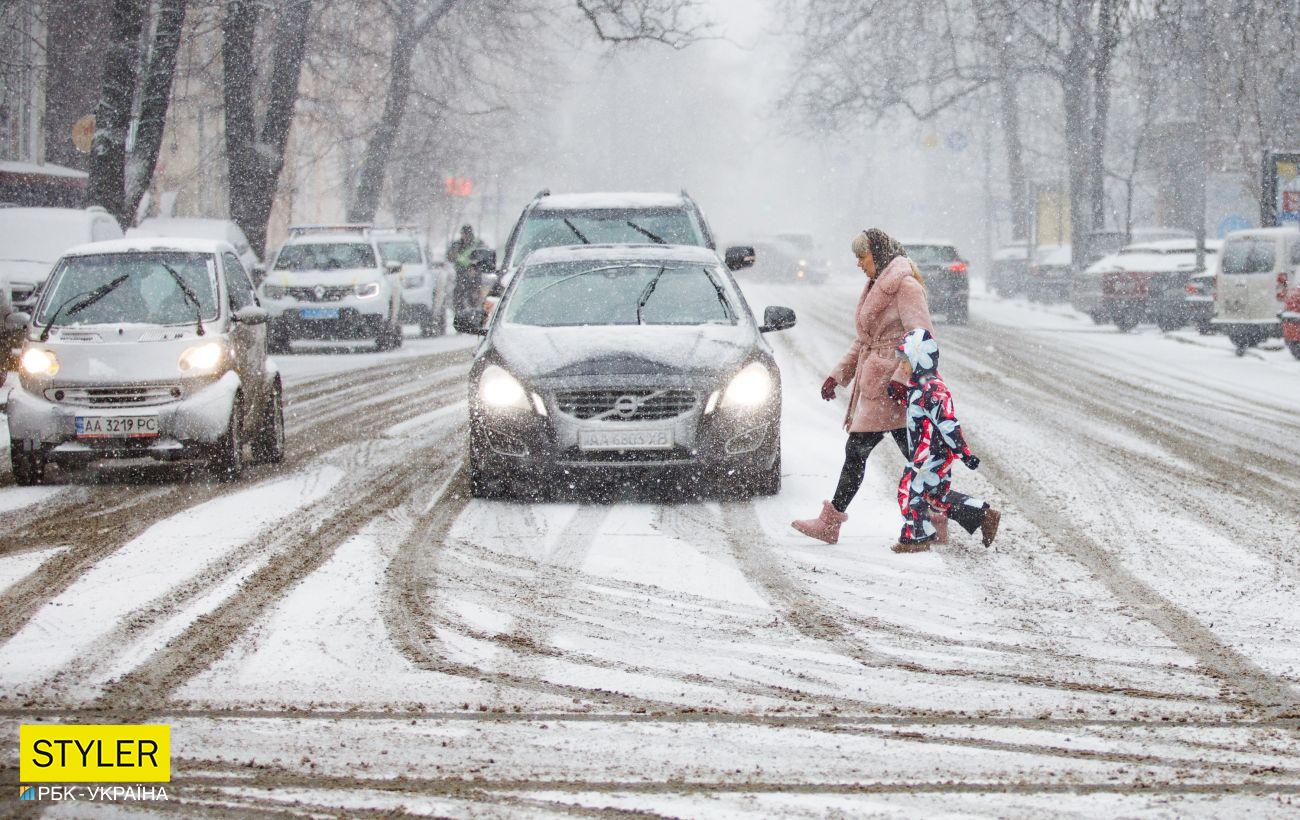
(117, 426)
(625, 439)
(319, 313)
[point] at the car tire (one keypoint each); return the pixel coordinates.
(227, 460)
(1096, 317)
(268, 447)
(1204, 327)
(28, 468)
(1294, 347)
(1242, 341)
(1126, 321)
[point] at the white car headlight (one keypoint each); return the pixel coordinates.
(38, 362)
(367, 290)
(415, 280)
(499, 390)
(202, 358)
(749, 388)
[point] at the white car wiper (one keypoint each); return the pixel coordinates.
(655, 238)
(576, 232)
(88, 298)
(647, 292)
(189, 295)
(564, 279)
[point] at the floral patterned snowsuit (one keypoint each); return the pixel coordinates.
(935, 441)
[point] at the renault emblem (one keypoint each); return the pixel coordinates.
(320, 293)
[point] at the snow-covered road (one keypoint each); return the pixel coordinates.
(350, 632)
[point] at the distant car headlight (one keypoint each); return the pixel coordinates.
(415, 280)
(500, 391)
(38, 362)
(203, 358)
(274, 291)
(367, 290)
(749, 388)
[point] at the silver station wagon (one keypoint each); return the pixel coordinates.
(145, 348)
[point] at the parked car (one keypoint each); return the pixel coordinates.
(31, 241)
(617, 358)
(1145, 282)
(1009, 271)
(945, 274)
(1252, 283)
(1290, 315)
(329, 282)
(1200, 298)
(1049, 273)
(426, 283)
(222, 230)
(1105, 243)
(146, 348)
(594, 218)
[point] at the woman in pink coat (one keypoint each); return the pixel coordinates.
(892, 303)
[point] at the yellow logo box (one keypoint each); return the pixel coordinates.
(90, 753)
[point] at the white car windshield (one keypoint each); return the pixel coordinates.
(639, 226)
(618, 293)
(325, 256)
(408, 253)
(147, 292)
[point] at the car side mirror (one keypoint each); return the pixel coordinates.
(18, 321)
(740, 256)
(472, 321)
(776, 318)
(483, 258)
(250, 315)
(393, 266)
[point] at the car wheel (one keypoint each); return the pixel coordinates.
(1096, 317)
(227, 460)
(1126, 321)
(1241, 341)
(28, 468)
(1294, 347)
(1204, 327)
(268, 447)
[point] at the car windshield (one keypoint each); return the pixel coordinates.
(932, 254)
(614, 293)
(325, 256)
(547, 229)
(405, 252)
(148, 294)
(1248, 256)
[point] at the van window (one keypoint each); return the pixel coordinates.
(237, 284)
(1248, 256)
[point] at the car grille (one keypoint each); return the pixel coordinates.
(625, 405)
(143, 395)
(329, 294)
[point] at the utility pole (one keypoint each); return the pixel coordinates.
(1198, 139)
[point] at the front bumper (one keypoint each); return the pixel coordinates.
(186, 427)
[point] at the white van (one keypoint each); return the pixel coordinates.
(1251, 284)
(221, 230)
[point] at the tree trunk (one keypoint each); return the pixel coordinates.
(1100, 112)
(1078, 142)
(255, 161)
(154, 101)
(107, 186)
(379, 150)
(1016, 184)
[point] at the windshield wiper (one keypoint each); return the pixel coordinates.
(645, 294)
(655, 238)
(88, 298)
(189, 295)
(576, 232)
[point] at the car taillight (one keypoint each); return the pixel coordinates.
(957, 267)
(1191, 289)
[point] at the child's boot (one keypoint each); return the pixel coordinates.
(940, 521)
(825, 527)
(989, 526)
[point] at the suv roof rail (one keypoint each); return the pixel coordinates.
(542, 193)
(343, 227)
(410, 226)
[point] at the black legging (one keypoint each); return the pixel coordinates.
(856, 450)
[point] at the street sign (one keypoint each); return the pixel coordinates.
(83, 132)
(1230, 223)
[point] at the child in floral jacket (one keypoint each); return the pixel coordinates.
(935, 441)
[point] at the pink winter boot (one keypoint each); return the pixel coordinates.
(825, 527)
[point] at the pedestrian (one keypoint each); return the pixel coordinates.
(934, 441)
(892, 301)
(467, 291)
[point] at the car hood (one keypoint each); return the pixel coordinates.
(541, 352)
(120, 354)
(328, 278)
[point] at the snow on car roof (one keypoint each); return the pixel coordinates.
(328, 239)
(44, 169)
(199, 227)
(602, 199)
(1171, 246)
(657, 253)
(944, 243)
(137, 244)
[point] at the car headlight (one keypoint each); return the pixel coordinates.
(273, 291)
(499, 390)
(367, 290)
(749, 388)
(39, 362)
(202, 358)
(415, 280)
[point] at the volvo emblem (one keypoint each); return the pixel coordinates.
(626, 406)
(320, 293)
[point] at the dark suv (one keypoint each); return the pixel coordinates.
(946, 284)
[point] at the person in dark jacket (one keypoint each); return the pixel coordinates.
(934, 441)
(467, 293)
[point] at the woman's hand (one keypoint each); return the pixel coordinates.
(828, 388)
(897, 391)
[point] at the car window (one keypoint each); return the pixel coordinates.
(241, 290)
(931, 254)
(1249, 256)
(546, 229)
(608, 293)
(400, 250)
(146, 294)
(326, 256)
